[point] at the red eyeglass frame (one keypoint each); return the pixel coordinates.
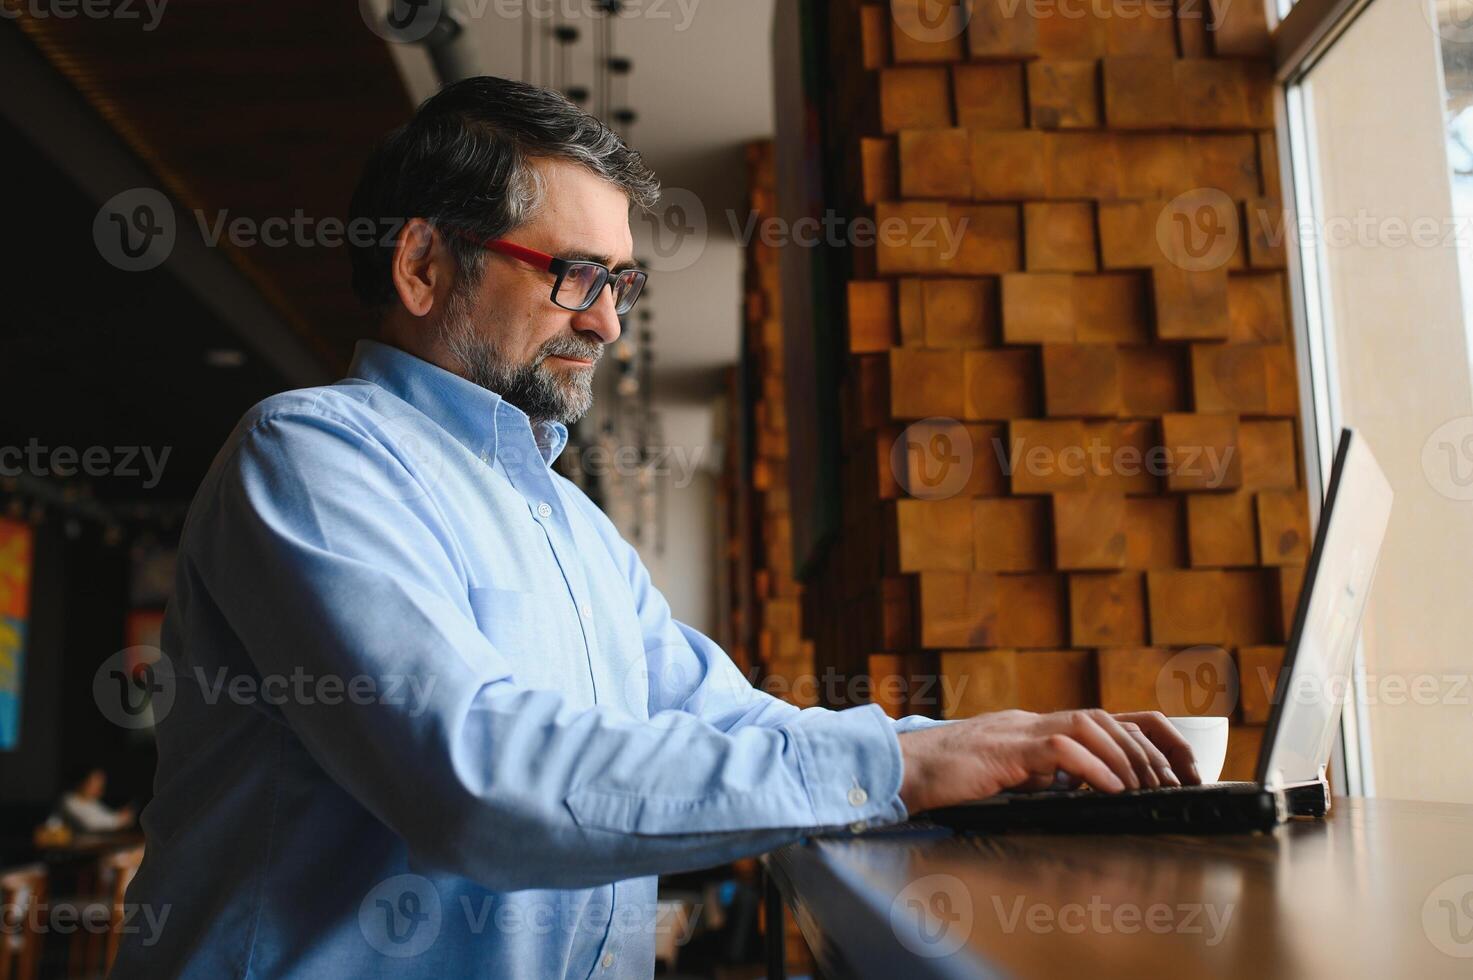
(560, 268)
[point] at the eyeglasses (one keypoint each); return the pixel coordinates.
(578, 283)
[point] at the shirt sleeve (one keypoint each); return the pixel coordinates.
(321, 558)
(689, 672)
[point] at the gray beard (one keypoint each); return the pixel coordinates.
(532, 387)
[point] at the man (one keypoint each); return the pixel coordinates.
(533, 737)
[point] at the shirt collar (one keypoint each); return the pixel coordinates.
(474, 416)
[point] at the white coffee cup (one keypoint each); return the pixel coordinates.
(1208, 737)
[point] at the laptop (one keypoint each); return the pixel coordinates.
(1305, 715)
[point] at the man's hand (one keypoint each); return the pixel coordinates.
(977, 757)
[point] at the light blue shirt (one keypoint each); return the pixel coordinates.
(430, 718)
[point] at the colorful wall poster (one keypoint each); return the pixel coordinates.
(16, 546)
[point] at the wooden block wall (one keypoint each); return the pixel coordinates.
(1071, 443)
(772, 616)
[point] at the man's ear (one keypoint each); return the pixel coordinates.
(422, 269)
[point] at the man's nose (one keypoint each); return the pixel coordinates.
(600, 318)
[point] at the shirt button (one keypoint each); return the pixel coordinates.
(857, 796)
(544, 509)
(608, 960)
(586, 611)
(858, 827)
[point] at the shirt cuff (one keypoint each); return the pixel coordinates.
(851, 766)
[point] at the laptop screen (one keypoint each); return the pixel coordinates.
(1315, 681)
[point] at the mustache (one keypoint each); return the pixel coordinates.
(586, 350)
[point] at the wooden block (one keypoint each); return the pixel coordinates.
(957, 609)
(1000, 384)
(990, 96)
(1123, 457)
(878, 169)
(1227, 162)
(911, 312)
(1240, 30)
(1059, 236)
(1136, 94)
(974, 682)
(1283, 527)
(1055, 680)
(982, 239)
(1011, 534)
(1063, 94)
(1047, 457)
(1128, 234)
(914, 98)
(869, 395)
(1144, 28)
(1037, 308)
(874, 35)
(1288, 581)
(1153, 533)
(1081, 165)
(1190, 305)
(1032, 611)
(1229, 378)
(960, 313)
(1270, 460)
(1210, 94)
(1256, 308)
(1112, 308)
(1268, 167)
(1002, 29)
(1153, 380)
(1129, 678)
(871, 316)
(1201, 452)
(1007, 165)
(1081, 380)
(887, 683)
(935, 163)
(1221, 530)
(1265, 230)
(1227, 607)
(1258, 679)
(1153, 165)
(1089, 530)
(925, 31)
(912, 237)
(934, 534)
(1107, 609)
(895, 606)
(1073, 38)
(924, 383)
(1244, 744)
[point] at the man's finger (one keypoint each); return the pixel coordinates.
(1170, 741)
(1082, 728)
(1158, 761)
(1059, 751)
(1139, 758)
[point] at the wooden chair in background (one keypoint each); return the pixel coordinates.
(22, 894)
